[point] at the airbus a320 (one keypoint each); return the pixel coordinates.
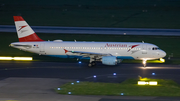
(109, 53)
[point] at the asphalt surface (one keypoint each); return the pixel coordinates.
(37, 79)
(82, 72)
(96, 30)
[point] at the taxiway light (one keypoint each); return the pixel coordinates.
(69, 93)
(114, 74)
(80, 62)
(72, 83)
(16, 58)
(77, 81)
(94, 76)
(147, 83)
(142, 83)
(5, 58)
(122, 93)
(22, 58)
(58, 88)
(153, 82)
(153, 74)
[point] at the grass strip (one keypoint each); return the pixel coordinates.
(129, 88)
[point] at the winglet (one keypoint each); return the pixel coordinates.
(66, 50)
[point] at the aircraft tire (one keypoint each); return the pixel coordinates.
(90, 65)
(93, 63)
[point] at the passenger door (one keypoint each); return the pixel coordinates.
(42, 48)
(144, 49)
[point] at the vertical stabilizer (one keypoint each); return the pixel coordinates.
(24, 31)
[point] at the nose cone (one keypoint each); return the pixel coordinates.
(163, 53)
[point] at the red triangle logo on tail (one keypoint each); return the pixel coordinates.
(21, 27)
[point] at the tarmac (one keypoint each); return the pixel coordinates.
(36, 81)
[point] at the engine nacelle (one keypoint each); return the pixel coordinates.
(119, 60)
(109, 60)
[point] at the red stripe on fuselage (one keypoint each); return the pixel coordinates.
(18, 18)
(30, 38)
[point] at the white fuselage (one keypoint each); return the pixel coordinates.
(109, 53)
(122, 50)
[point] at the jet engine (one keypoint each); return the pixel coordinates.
(109, 60)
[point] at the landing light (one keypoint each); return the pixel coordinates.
(144, 61)
(162, 60)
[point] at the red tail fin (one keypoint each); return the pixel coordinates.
(24, 31)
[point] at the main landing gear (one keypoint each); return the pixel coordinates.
(91, 64)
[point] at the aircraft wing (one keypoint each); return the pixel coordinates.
(87, 54)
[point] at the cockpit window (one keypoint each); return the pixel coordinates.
(155, 48)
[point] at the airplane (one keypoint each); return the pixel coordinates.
(109, 53)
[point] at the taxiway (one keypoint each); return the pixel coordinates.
(35, 81)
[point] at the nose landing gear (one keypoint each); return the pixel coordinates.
(144, 63)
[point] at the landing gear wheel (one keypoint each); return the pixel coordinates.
(92, 64)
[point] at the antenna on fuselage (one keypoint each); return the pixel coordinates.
(142, 41)
(74, 40)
